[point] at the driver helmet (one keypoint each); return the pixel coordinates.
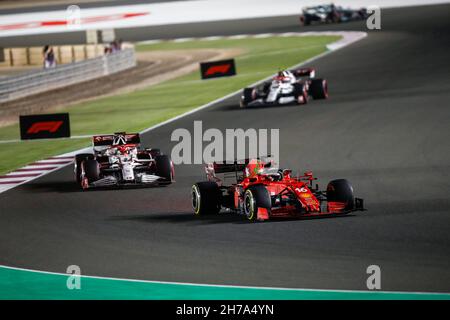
(284, 76)
(254, 168)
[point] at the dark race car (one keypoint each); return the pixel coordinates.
(287, 87)
(119, 160)
(331, 14)
(261, 192)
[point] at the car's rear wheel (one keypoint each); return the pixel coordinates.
(164, 168)
(318, 89)
(341, 190)
(78, 159)
(206, 198)
(256, 197)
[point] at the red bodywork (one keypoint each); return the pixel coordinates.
(290, 196)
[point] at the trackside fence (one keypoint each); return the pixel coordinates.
(20, 86)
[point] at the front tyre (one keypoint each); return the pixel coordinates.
(90, 172)
(256, 197)
(341, 190)
(247, 97)
(300, 93)
(205, 198)
(79, 158)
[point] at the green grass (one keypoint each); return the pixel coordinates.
(144, 108)
(22, 285)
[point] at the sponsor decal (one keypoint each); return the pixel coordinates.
(215, 69)
(44, 126)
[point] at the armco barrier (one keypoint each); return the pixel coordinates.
(43, 80)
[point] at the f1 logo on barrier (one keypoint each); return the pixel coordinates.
(50, 126)
(215, 69)
(45, 126)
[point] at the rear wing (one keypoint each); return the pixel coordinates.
(104, 141)
(235, 167)
(304, 72)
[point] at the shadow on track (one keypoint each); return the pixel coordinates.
(190, 218)
(70, 186)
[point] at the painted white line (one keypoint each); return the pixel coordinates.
(19, 173)
(5, 179)
(229, 286)
(51, 161)
(238, 36)
(176, 40)
(211, 38)
(263, 35)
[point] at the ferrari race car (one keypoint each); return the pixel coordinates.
(261, 191)
(119, 160)
(287, 87)
(331, 14)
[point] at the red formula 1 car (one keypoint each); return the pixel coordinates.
(119, 160)
(261, 191)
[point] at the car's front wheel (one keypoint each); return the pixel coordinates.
(91, 172)
(79, 158)
(256, 197)
(341, 191)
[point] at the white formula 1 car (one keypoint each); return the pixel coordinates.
(287, 87)
(119, 160)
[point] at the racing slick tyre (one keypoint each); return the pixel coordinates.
(247, 97)
(256, 197)
(164, 168)
(300, 93)
(78, 159)
(91, 170)
(206, 198)
(341, 190)
(318, 89)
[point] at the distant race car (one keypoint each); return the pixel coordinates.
(287, 87)
(260, 192)
(119, 160)
(331, 14)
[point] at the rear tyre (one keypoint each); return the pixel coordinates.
(256, 197)
(318, 89)
(341, 190)
(206, 198)
(78, 159)
(247, 97)
(300, 93)
(164, 168)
